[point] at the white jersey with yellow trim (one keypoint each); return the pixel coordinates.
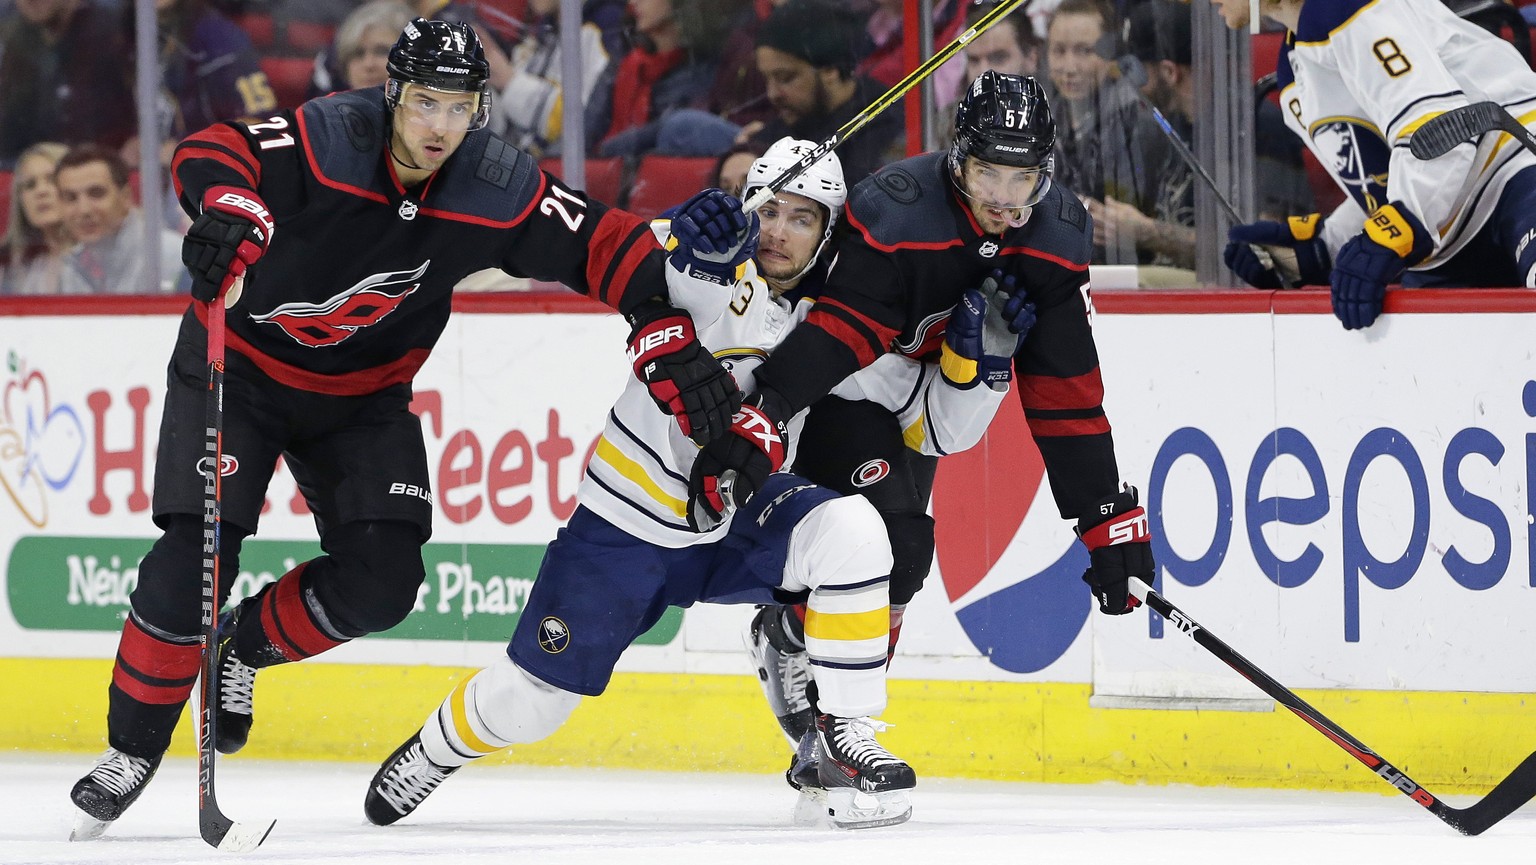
(1363, 74)
(638, 477)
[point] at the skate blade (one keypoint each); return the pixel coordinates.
(87, 828)
(845, 808)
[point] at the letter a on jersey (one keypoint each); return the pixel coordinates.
(335, 319)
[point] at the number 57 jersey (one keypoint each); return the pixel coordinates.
(356, 285)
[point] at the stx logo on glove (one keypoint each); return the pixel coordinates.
(654, 340)
(254, 208)
(758, 426)
(1132, 528)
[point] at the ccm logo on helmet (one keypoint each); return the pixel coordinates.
(236, 200)
(655, 340)
(871, 472)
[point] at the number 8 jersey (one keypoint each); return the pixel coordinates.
(1359, 76)
(355, 288)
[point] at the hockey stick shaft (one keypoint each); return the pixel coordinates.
(217, 829)
(1440, 135)
(1515, 790)
(873, 110)
(1188, 156)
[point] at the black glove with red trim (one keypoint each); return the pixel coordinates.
(233, 231)
(1119, 547)
(732, 468)
(685, 380)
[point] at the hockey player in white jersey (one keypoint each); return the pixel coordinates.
(1357, 78)
(655, 529)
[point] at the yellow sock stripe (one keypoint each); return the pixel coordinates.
(461, 725)
(848, 626)
(960, 370)
(609, 453)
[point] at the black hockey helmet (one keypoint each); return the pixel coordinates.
(1005, 120)
(441, 55)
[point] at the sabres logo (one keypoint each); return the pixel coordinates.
(554, 636)
(335, 319)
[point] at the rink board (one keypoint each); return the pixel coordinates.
(1348, 510)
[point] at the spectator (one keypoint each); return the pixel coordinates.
(209, 68)
(731, 168)
(739, 93)
(66, 67)
(1009, 46)
(1108, 146)
(363, 41)
(662, 86)
(807, 51)
(109, 255)
(1159, 37)
(530, 111)
(32, 258)
(330, 76)
(887, 63)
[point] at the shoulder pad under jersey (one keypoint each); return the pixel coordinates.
(906, 203)
(486, 181)
(1319, 18)
(1059, 226)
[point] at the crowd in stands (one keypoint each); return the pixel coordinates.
(697, 86)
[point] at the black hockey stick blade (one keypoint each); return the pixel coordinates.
(1442, 134)
(218, 830)
(1512, 792)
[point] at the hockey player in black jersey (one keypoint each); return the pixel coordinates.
(350, 219)
(922, 231)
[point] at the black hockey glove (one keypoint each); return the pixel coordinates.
(1298, 234)
(732, 468)
(1119, 547)
(985, 330)
(711, 237)
(233, 231)
(685, 380)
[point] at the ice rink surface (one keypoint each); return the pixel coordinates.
(508, 814)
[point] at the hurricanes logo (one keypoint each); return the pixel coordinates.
(336, 319)
(554, 636)
(228, 465)
(871, 472)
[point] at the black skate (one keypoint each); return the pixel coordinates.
(102, 796)
(783, 669)
(236, 687)
(403, 782)
(860, 785)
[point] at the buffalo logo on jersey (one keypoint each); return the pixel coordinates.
(336, 319)
(1357, 154)
(554, 636)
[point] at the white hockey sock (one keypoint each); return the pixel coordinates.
(499, 706)
(841, 553)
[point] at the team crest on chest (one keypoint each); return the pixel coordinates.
(408, 210)
(337, 318)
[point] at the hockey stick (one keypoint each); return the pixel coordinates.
(1138, 75)
(889, 98)
(1440, 135)
(218, 830)
(1512, 792)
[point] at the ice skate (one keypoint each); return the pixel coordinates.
(403, 782)
(236, 685)
(859, 784)
(783, 670)
(102, 796)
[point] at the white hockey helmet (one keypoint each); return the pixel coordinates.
(822, 182)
